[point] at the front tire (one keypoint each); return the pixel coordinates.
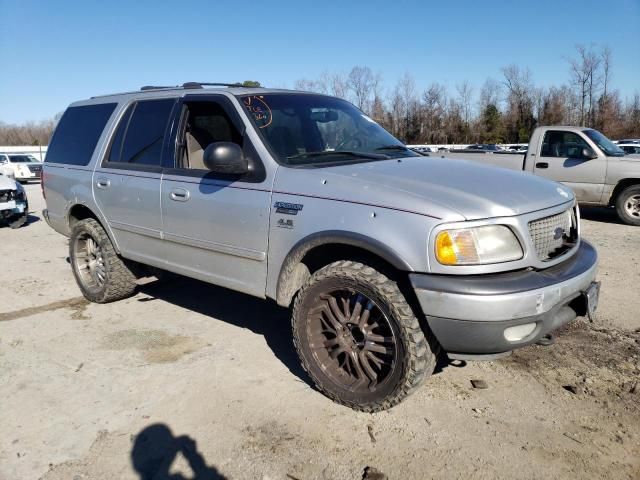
(358, 339)
(628, 205)
(100, 273)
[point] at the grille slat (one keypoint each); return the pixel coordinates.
(553, 235)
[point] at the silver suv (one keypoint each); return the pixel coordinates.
(384, 256)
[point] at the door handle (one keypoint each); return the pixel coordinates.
(180, 194)
(542, 165)
(103, 183)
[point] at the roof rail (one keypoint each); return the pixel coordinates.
(155, 87)
(193, 85)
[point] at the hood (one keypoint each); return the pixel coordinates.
(7, 183)
(448, 189)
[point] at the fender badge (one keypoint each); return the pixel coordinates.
(282, 223)
(288, 208)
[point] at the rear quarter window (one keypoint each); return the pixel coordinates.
(77, 134)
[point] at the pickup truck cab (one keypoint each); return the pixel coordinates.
(384, 257)
(596, 169)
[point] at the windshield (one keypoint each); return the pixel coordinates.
(607, 146)
(304, 129)
(21, 159)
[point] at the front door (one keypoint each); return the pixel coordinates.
(126, 184)
(215, 226)
(561, 159)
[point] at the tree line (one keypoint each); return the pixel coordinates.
(503, 110)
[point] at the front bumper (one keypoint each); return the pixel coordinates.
(13, 207)
(469, 314)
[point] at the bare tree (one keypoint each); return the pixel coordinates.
(585, 76)
(361, 82)
(519, 115)
(465, 98)
(489, 94)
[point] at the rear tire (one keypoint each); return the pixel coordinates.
(100, 273)
(628, 205)
(358, 339)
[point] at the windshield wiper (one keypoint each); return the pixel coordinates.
(393, 147)
(326, 153)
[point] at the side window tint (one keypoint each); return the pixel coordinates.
(144, 134)
(77, 134)
(562, 145)
(207, 123)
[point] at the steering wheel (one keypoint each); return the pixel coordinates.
(352, 142)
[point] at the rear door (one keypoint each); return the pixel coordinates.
(215, 226)
(126, 184)
(561, 160)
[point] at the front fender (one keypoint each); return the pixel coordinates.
(293, 274)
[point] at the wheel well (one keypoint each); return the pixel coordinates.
(301, 264)
(622, 184)
(80, 212)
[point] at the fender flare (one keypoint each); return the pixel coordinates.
(293, 274)
(98, 216)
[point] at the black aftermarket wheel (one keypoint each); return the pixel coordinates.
(358, 338)
(100, 273)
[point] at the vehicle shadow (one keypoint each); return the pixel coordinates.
(155, 449)
(600, 214)
(30, 219)
(261, 317)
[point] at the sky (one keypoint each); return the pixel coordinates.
(55, 52)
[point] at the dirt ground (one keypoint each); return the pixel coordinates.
(186, 380)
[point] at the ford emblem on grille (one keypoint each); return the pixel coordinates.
(558, 233)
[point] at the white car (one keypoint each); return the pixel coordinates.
(25, 167)
(14, 207)
(630, 148)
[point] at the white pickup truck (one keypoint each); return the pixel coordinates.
(584, 159)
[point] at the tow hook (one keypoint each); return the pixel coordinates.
(546, 340)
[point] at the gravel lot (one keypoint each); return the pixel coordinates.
(186, 380)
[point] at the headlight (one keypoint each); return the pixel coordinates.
(477, 246)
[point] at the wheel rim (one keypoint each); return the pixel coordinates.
(352, 341)
(89, 261)
(632, 205)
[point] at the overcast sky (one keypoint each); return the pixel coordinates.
(53, 53)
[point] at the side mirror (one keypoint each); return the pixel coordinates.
(225, 157)
(588, 153)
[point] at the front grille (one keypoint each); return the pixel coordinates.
(35, 168)
(6, 196)
(552, 236)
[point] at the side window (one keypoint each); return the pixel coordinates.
(563, 145)
(77, 134)
(140, 134)
(116, 143)
(206, 123)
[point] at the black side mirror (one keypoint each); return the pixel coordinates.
(588, 153)
(225, 157)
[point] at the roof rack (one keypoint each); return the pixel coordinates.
(194, 85)
(186, 86)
